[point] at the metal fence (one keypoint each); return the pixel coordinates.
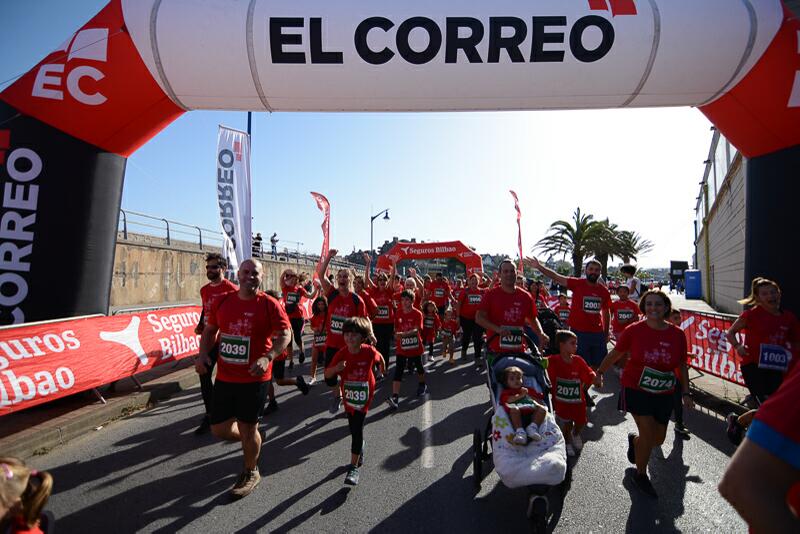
(167, 229)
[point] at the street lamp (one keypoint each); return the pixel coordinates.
(385, 214)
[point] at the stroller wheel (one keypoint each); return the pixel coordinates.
(537, 514)
(477, 458)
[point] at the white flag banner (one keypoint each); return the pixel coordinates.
(233, 195)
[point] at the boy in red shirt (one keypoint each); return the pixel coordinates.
(355, 363)
(522, 405)
(430, 325)
(569, 375)
(624, 312)
(449, 331)
(562, 309)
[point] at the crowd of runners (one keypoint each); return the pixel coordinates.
(360, 323)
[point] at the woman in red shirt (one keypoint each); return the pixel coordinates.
(656, 349)
(355, 363)
(771, 336)
(468, 303)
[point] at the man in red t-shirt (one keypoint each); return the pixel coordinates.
(217, 285)
(246, 321)
(504, 312)
(467, 306)
(439, 293)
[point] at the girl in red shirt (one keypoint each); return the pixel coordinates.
(355, 363)
(23, 494)
(656, 349)
(430, 325)
(319, 311)
(523, 406)
(409, 347)
(449, 331)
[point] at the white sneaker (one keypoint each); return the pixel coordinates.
(312, 381)
(533, 432)
(577, 442)
(570, 450)
(520, 438)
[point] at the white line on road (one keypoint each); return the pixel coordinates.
(427, 434)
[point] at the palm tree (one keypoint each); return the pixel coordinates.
(570, 238)
(605, 243)
(633, 245)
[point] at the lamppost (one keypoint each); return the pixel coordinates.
(385, 214)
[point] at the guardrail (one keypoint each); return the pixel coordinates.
(169, 227)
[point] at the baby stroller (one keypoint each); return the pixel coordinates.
(539, 466)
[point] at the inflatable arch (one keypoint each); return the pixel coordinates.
(67, 126)
(426, 251)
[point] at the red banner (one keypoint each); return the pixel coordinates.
(426, 251)
(711, 352)
(46, 361)
(519, 228)
(325, 207)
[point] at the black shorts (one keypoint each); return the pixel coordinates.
(278, 369)
(297, 329)
(241, 401)
(637, 402)
(440, 310)
(330, 352)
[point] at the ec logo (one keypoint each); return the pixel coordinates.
(91, 44)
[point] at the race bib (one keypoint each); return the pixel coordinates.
(623, 316)
(438, 293)
(592, 304)
(234, 349)
(409, 342)
(292, 298)
(428, 323)
(474, 299)
(382, 312)
(774, 357)
(356, 395)
(563, 315)
(568, 390)
(654, 381)
(337, 322)
(320, 339)
(512, 341)
(523, 404)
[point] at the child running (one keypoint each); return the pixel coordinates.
(409, 348)
(677, 408)
(522, 405)
(430, 325)
(569, 374)
(355, 363)
(319, 311)
(23, 494)
(562, 309)
(449, 331)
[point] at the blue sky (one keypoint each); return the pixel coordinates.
(443, 176)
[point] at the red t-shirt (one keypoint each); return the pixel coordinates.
(587, 303)
(469, 301)
(450, 326)
(769, 338)
(654, 356)
(439, 292)
(245, 332)
(369, 303)
(384, 305)
(320, 335)
(408, 346)
(523, 405)
(430, 325)
(292, 298)
(779, 411)
(508, 310)
(358, 378)
(623, 314)
(563, 313)
(340, 308)
(567, 380)
(209, 293)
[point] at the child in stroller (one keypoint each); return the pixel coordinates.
(525, 412)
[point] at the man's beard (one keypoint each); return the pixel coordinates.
(592, 277)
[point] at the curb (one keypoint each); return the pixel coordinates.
(40, 439)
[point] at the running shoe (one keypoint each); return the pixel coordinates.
(682, 431)
(734, 430)
(272, 406)
(631, 448)
(247, 482)
(520, 437)
(570, 450)
(393, 402)
(577, 442)
(478, 364)
(352, 476)
(301, 385)
(422, 389)
(642, 482)
(301, 359)
(204, 428)
(590, 401)
(312, 380)
(336, 404)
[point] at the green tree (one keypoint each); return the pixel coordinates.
(633, 245)
(571, 238)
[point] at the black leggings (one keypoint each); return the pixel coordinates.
(677, 407)
(400, 366)
(297, 331)
(206, 382)
(471, 331)
(355, 421)
(384, 334)
(761, 382)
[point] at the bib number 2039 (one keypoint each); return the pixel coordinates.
(356, 394)
(234, 349)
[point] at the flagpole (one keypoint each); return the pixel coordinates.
(249, 123)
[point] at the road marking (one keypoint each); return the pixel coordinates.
(427, 434)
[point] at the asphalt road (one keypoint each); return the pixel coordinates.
(150, 473)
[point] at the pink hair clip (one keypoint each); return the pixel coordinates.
(7, 470)
(34, 473)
